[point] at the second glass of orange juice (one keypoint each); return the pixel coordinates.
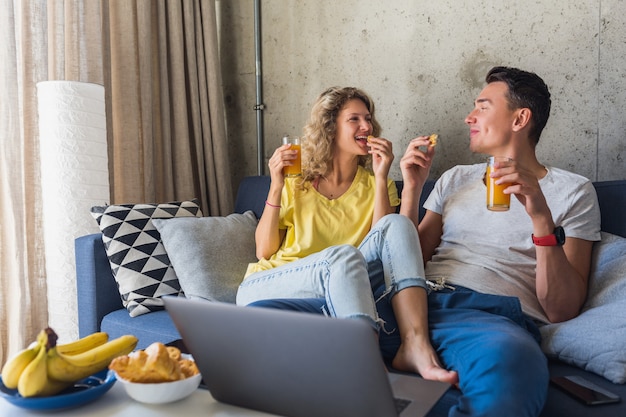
(496, 199)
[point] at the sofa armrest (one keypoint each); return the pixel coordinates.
(95, 286)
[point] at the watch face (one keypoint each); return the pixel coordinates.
(560, 235)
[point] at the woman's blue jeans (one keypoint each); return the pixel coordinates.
(340, 275)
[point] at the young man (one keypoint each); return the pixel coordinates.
(503, 273)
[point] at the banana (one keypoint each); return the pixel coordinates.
(53, 387)
(71, 368)
(83, 345)
(34, 380)
(35, 376)
(14, 367)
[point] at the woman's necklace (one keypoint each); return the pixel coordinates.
(329, 191)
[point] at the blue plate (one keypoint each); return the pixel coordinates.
(83, 392)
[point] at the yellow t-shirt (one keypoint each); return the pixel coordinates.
(314, 222)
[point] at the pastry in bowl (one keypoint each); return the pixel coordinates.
(159, 374)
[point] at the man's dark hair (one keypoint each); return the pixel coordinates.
(526, 90)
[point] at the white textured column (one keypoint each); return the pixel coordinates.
(74, 177)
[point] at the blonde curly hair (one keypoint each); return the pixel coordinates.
(321, 129)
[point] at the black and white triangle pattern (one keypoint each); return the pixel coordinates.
(139, 263)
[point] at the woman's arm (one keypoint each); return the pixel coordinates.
(268, 236)
(382, 157)
(382, 205)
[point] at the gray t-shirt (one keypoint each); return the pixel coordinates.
(492, 252)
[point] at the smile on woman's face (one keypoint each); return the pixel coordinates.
(354, 124)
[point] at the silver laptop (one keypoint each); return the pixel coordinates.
(295, 364)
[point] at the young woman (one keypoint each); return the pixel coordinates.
(329, 240)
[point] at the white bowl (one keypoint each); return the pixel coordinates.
(163, 392)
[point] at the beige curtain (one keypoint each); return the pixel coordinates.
(23, 303)
(158, 61)
(167, 127)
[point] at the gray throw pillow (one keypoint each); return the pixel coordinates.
(210, 254)
(596, 339)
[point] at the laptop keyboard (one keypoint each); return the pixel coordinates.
(401, 404)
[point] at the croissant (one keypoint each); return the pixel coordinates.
(157, 363)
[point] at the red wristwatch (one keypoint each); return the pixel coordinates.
(557, 238)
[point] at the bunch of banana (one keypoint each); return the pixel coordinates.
(45, 368)
(71, 368)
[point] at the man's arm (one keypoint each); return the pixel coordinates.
(562, 271)
(562, 278)
(430, 230)
(415, 166)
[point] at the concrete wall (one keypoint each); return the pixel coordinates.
(423, 63)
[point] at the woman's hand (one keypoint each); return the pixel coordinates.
(282, 157)
(382, 156)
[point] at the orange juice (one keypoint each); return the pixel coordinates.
(496, 199)
(295, 169)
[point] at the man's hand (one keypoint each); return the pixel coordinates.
(415, 163)
(524, 184)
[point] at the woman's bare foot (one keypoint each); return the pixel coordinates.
(424, 361)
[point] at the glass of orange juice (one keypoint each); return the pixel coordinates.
(496, 199)
(295, 169)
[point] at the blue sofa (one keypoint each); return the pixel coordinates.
(100, 306)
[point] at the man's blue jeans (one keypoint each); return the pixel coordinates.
(485, 338)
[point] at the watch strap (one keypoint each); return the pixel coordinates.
(557, 238)
(549, 240)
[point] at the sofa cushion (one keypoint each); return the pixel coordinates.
(596, 339)
(138, 260)
(148, 328)
(210, 254)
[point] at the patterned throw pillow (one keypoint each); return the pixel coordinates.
(139, 263)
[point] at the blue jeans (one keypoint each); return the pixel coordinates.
(340, 275)
(486, 338)
(492, 345)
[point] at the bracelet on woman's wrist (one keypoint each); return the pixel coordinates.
(271, 205)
